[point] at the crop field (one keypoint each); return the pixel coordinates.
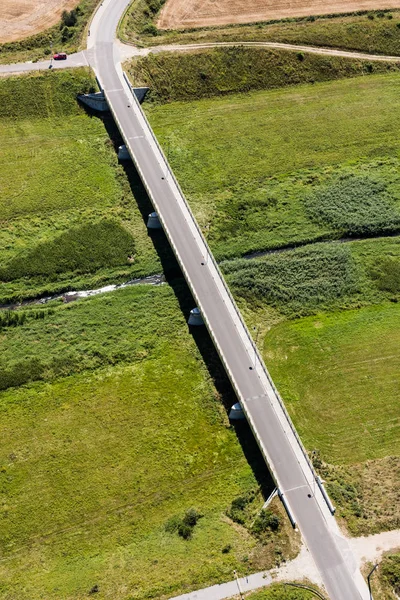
(32, 29)
(184, 14)
(373, 31)
(99, 467)
(21, 18)
(68, 214)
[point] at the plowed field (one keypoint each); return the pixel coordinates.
(179, 14)
(22, 18)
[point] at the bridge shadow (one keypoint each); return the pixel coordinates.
(175, 279)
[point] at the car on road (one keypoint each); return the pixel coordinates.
(60, 56)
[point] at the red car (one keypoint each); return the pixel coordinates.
(60, 56)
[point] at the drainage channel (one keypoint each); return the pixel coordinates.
(158, 279)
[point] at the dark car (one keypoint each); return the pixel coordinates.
(60, 56)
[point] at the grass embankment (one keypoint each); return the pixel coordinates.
(66, 36)
(376, 32)
(98, 468)
(281, 592)
(69, 218)
(221, 71)
(292, 167)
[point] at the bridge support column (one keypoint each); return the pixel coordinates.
(195, 318)
(236, 413)
(153, 222)
(123, 153)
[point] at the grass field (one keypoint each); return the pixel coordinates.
(372, 31)
(281, 168)
(95, 465)
(338, 374)
(68, 213)
(291, 145)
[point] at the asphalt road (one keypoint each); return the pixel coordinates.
(243, 365)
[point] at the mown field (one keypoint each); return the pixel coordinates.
(376, 32)
(69, 218)
(98, 467)
(312, 166)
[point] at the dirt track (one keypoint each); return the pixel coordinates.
(178, 14)
(22, 18)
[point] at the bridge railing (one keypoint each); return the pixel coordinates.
(227, 290)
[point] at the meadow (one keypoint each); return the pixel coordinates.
(298, 193)
(296, 148)
(97, 466)
(68, 212)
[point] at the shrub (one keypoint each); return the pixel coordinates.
(390, 569)
(191, 517)
(386, 274)
(296, 281)
(356, 205)
(265, 521)
(68, 19)
(150, 29)
(185, 531)
(185, 525)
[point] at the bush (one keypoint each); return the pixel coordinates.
(265, 521)
(68, 19)
(185, 525)
(356, 205)
(390, 569)
(296, 281)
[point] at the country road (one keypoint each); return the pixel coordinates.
(127, 51)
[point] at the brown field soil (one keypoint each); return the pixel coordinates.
(23, 18)
(185, 14)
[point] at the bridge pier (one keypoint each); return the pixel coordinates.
(123, 153)
(153, 222)
(195, 318)
(236, 413)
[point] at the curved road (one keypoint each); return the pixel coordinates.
(261, 403)
(126, 51)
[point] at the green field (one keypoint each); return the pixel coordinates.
(373, 31)
(95, 465)
(69, 218)
(313, 166)
(253, 174)
(338, 373)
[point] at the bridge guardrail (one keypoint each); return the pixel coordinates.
(250, 338)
